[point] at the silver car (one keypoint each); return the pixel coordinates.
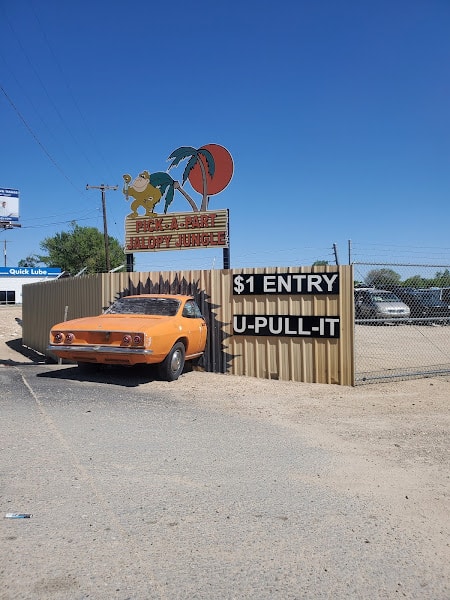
(379, 304)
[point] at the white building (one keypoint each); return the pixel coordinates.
(13, 278)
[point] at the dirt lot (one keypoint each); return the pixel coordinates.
(390, 439)
(399, 349)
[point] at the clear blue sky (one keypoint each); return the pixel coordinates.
(336, 114)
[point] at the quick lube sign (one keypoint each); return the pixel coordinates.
(312, 326)
(29, 272)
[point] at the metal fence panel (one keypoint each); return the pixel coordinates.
(50, 302)
(285, 358)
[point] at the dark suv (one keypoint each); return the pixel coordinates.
(424, 304)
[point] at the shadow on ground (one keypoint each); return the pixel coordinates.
(109, 374)
(21, 350)
(115, 375)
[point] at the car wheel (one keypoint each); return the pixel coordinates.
(172, 366)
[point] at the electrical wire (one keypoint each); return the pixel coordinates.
(37, 140)
(75, 103)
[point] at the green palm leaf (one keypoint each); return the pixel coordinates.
(210, 162)
(165, 183)
(169, 198)
(180, 154)
(191, 164)
(161, 180)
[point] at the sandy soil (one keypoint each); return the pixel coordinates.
(390, 440)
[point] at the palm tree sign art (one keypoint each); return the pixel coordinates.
(195, 158)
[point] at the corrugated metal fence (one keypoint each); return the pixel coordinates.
(296, 358)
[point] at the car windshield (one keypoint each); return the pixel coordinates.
(385, 297)
(167, 307)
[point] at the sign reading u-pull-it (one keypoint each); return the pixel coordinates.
(286, 326)
(286, 283)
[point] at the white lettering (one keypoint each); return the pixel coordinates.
(269, 283)
(260, 322)
(243, 326)
(20, 271)
(330, 280)
(300, 328)
(321, 327)
(284, 284)
(314, 281)
(278, 329)
(300, 279)
(286, 327)
(332, 323)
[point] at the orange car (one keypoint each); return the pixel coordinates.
(146, 329)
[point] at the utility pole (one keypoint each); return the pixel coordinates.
(104, 187)
(336, 258)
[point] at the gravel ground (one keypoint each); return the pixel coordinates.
(384, 449)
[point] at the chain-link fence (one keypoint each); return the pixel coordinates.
(402, 321)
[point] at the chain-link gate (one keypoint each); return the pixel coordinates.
(402, 321)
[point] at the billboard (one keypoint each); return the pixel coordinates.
(177, 231)
(149, 227)
(9, 205)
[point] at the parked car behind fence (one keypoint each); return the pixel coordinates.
(379, 305)
(425, 304)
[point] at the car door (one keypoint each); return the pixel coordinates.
(195, 326)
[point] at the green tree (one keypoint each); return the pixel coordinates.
(81, 247)
(33, 260)
(442, 278)
(320, 263)
(382, 278)
(194, 156)
(416, 281)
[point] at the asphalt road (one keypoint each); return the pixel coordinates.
(137, 494)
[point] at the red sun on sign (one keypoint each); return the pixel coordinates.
(222, 175)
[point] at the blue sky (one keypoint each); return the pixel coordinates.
(336, 114)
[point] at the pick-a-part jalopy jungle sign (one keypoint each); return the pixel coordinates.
(312, 326)
(209, 170)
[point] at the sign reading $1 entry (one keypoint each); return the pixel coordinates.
(286, 283)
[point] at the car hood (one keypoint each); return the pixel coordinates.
(113, 323)
(397, 306)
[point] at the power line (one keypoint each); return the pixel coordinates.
(38, 141)
(43, 86)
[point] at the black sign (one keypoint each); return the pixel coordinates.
(286, 326)
(286, 283)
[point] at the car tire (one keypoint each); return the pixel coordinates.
(172, 366)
